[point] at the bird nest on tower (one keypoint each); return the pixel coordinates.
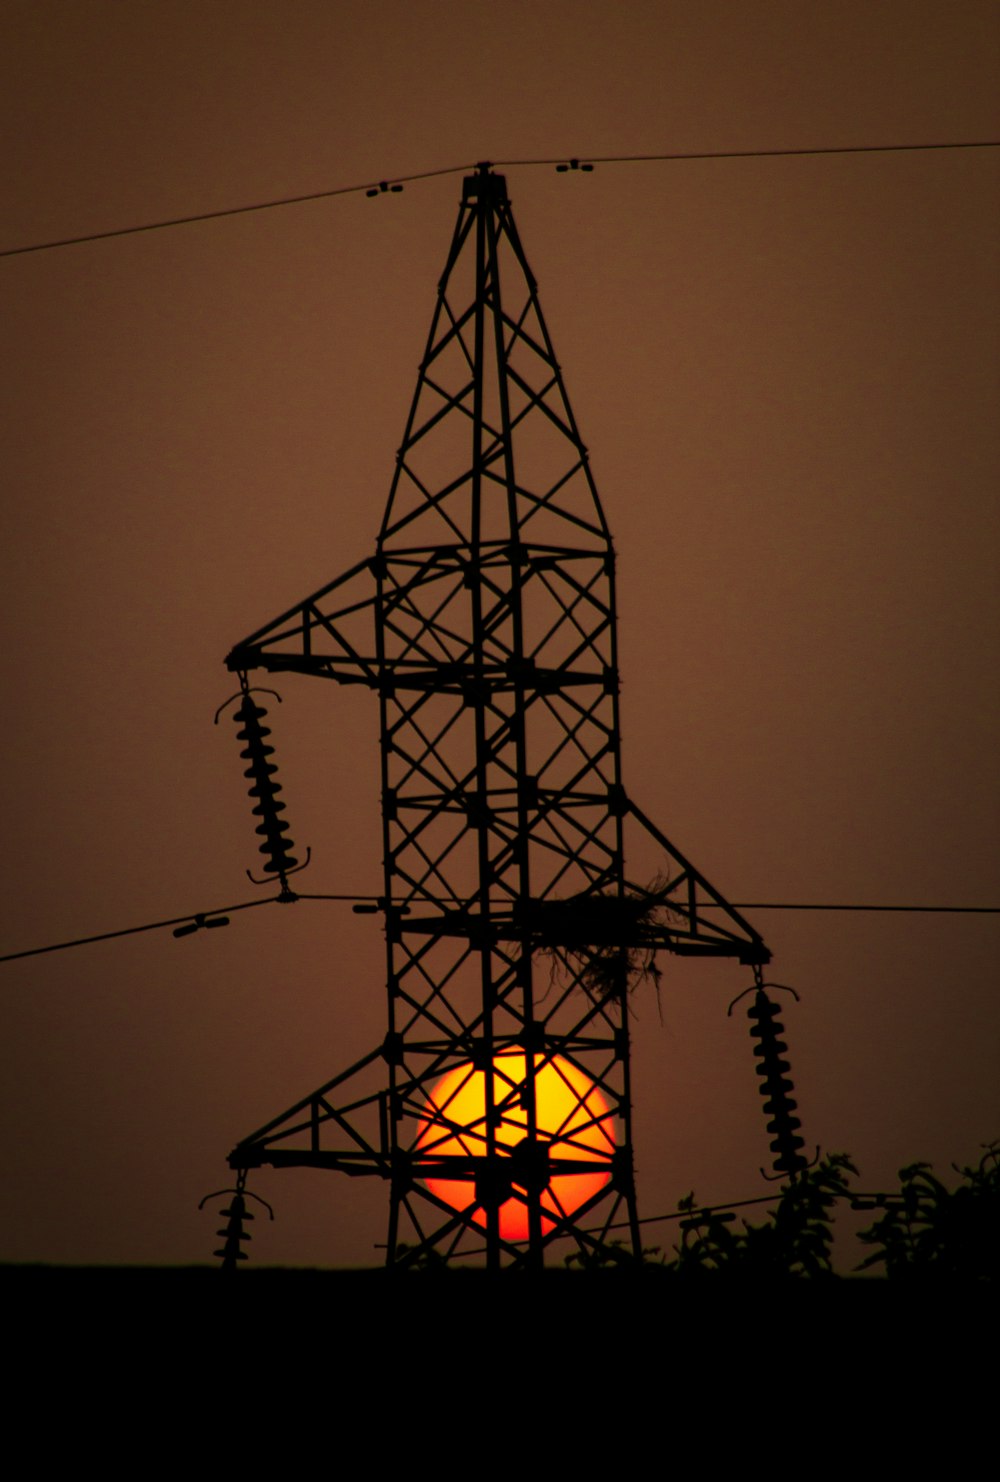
(606, 943)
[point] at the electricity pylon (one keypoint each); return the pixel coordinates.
(498, 1106)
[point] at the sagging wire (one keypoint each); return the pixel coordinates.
(857, 1201)
(373, 904)
(192, 921)
(562, 166)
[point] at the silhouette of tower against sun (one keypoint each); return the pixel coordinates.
(498, 1106)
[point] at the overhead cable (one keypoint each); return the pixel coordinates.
(379, 187)
(194, 920)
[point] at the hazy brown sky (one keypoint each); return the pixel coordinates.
(786, 372)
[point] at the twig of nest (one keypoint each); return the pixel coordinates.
(598, 939)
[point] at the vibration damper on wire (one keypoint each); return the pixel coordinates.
(201, 921)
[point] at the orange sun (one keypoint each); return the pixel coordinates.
(574, 1122)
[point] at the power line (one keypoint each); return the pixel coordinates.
(194, 920)
(697, 1212)
(923, 910)
(374, 187)
(377, 187)
(757, 154)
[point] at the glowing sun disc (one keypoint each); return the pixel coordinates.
(574, 1123)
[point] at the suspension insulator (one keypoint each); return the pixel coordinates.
(776, 1088)
(277, 849)
(233, 1233)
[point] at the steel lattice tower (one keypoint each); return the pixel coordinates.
(485, 622)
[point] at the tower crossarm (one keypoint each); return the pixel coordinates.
(696, 917)
(681, 930)
(301, 1135)
(330, 634)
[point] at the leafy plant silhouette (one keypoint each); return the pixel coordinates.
(601, 1257)
(795, 1241)
(928, 1230)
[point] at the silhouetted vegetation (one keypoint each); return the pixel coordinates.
(924, 1230)
(795, 1240)
(931, 1231)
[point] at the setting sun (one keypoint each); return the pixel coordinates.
(574, 1122)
